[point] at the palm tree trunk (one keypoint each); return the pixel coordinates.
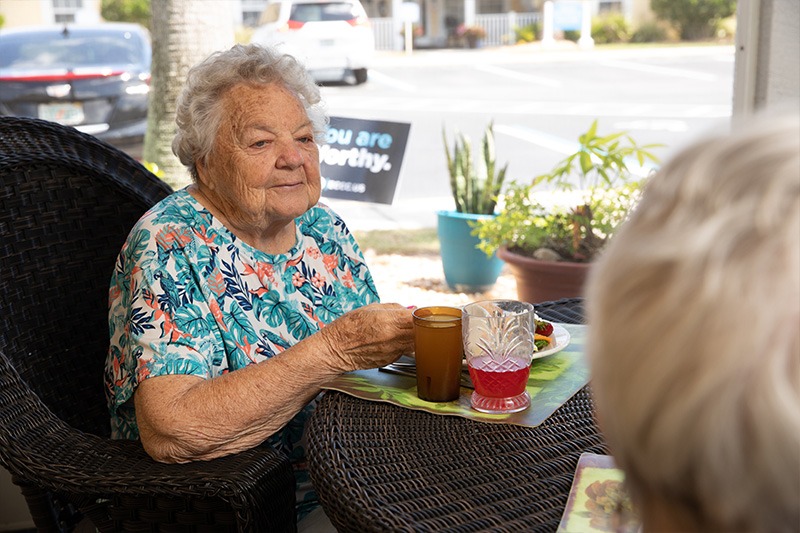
(184, 32)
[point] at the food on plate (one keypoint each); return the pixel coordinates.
(543, 336)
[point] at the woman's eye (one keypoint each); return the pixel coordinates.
(306, 139)
(260, 144)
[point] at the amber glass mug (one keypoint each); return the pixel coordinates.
(439, 351)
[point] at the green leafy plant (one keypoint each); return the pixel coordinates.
(137, 11)
(695, 19)
(152, 167)
(610, 28)
(475, 185)
(651, 31)
(529, 33)
(601, 189)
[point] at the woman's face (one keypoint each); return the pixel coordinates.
(263, 170)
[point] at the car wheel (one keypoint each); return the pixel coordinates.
(360, 75)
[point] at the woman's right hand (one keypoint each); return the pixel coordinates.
(369, 337)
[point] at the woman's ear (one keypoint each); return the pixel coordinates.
(202, 175)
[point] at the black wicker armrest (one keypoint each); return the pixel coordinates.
(119, 486)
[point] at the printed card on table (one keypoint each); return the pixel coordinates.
(598, 501)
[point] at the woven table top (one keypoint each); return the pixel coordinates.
(379, 467)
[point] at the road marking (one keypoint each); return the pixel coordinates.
(651, 69)
(380, 77)
(344, 102)
(562, 146)
(546, 140)
(674, 126)
(506, 73)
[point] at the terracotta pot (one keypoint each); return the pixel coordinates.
(542, 281)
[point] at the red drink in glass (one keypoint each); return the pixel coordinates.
(499, 383)
(498, 345)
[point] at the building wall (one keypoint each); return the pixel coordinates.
(767, 73)
(34, 12)
(779, 49)
(25, 12)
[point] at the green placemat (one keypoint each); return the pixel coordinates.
(554, 379)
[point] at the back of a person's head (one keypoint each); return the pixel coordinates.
(694, 314)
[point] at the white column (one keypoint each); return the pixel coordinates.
(547, 24)
(469, 12)
(512, 23)
(586, 40)
(397, 24)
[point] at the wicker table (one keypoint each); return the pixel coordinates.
(379, 467)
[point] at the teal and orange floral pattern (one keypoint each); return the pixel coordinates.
(188, 297)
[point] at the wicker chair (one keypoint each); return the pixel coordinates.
(67, 202)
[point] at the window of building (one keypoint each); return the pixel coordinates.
(490, 7)
(251, 11)
(64, 10)
(609, 6)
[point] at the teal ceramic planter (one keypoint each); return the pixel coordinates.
(466, 269)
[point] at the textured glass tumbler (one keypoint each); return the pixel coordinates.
(438, 351)
(498, 344)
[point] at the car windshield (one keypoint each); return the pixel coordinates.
(37, 50)
(322, 12)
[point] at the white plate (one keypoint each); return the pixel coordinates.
(561, 341)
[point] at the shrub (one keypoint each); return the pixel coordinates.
(572, 35)
(695, 19)
(650, 32)
(137, 11)
(610, 28)
(529, 33)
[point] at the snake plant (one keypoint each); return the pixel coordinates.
(475, 185)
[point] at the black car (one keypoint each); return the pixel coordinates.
(95, 78)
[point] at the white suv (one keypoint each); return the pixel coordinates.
(333, 38)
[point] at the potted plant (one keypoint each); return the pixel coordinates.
(471, 34)
(475, 186)
(550, 245)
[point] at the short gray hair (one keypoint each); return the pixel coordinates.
(199, 107)
(694, 340)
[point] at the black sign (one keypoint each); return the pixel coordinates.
(360, 159)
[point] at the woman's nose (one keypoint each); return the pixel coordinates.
(290, 156)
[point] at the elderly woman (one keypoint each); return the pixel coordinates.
(695, 336)
(234, 299)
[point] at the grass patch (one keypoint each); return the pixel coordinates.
(403, 241)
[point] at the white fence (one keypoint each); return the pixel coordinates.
(386, 38)
(499, 29)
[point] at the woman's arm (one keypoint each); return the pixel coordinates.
(183, 418)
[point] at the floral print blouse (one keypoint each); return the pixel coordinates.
(188, 297)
